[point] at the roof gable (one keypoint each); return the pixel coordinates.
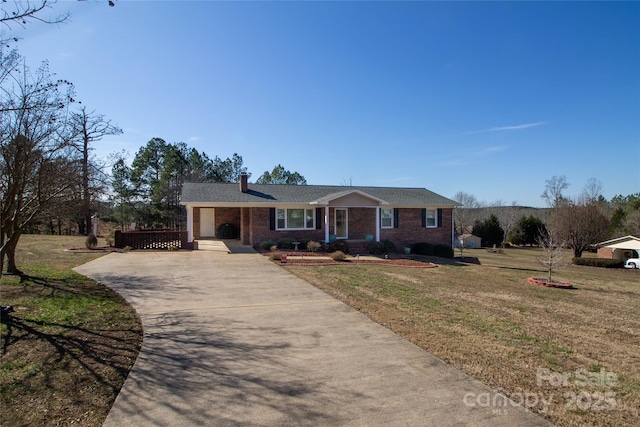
(351, 197)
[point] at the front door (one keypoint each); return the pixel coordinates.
(341, 223)
(207, 222)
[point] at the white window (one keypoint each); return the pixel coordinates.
(296, 219)
(432, 218)
(386, 218)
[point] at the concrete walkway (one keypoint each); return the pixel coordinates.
(232, 339)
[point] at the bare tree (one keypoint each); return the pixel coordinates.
(462, 242)
(592, 190)
(552, 248)
(88, 128)
(33, 161)
(580, 224)
(462, 213)
(24, 12)
(553, 190)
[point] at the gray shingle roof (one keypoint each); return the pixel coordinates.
(273, 194)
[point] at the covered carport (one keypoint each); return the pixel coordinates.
(620, 249)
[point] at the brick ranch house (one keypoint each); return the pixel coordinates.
(255, 213)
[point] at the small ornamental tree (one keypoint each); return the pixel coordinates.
(553, 257)
(462, 242)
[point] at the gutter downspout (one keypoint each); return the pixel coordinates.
(378, 224)
(326, 224)
(453, 230)
(189, 223)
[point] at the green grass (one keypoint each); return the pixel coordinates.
(70, 342)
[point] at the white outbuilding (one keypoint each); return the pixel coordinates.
(621, 248)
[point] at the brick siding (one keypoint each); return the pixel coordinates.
(606, 253)
(411, 231)
(253, 226)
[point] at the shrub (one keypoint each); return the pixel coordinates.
(389, 247)
(422, 248)
(374, 248)
(304, 243)
(384, 247)
(598, 262)
(443, 251)
(266, 245)
(91, 242)
(275, 256)
(286, 243)
(313, 246)
(338, 256)
(338, 245)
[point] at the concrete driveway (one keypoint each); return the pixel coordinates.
(232, 339)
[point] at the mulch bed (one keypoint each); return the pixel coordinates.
(316, 259)
(550, 284)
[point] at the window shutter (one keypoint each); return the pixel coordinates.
(424, 217)
(439, 217)
(272, 218)
(318, 218)
(396, 215)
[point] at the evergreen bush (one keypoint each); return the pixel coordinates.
(338, 245)
(443, 251)
(422, 248)
(598, 262)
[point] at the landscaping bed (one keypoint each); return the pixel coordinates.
(324, 259)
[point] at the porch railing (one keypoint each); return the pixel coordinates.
(152, 239)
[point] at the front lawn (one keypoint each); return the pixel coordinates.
(69, 345)
(578, 350)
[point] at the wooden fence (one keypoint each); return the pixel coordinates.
(152, 239)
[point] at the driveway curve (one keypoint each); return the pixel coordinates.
(232, 339)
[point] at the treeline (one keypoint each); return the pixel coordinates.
(577, 223)
(147, 193)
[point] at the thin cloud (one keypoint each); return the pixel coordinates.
(505, 128)
(493, 149)
(467, 157)
(194, 138)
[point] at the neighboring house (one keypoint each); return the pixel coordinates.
(255, 213)
(621, 248)
(468, 241)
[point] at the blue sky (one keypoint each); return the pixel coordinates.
(489, 98)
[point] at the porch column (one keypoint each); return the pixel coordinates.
(326, 224)
(189, 223)
(378, 224)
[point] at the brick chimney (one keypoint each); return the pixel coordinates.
(244, 186)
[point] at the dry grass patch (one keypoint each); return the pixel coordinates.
(70, 343)
(515, 337)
